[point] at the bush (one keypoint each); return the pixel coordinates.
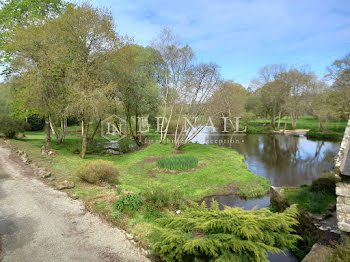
(159, 199)
(324, 184)
(36, 122)
(177, 162)
(234, 234)
(162, 198)
(324, 135)
(340, 252)
(98, 171)
(12, 127)
(129, 202)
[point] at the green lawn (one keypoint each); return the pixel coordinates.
(220, 171)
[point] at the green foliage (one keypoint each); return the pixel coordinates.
(177, 162)
(36, 122)
(12, 127)
(315, 200)
(163, 198)
(158, 199)
(324, 184)
(340, 252)
(233, 234)
(324, 135)
(128, 202)
(118, 190)
(309, 232)
(98, 171)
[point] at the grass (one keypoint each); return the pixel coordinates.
(304, 122)
(222, 170)
(315, 202)
(177, 162)
(324, 135)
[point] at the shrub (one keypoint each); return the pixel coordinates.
(98, 171)
(129, 202)
(161, 198)
(177, 162)
(324, 135)
(158, 199)
(324, 184)
(12, 127)
(234, 234)
(36, 122)
(340, 252)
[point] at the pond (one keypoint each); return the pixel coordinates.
(286, 160)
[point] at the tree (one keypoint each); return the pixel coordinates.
(20, 13)
(298, 84)
(273, 97)
(38, 66)
(88, 34)
(134, 72)
(228, 100)
(178, 60)
(321, 102)
(199, 84)
(339, 72)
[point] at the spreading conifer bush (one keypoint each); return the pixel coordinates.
(95, 172)
(234, 234)
(177, 162)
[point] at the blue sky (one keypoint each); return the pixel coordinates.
(241, 36)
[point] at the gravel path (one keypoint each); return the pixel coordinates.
(39, 223)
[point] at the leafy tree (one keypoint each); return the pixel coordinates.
(134, 72)
(234, 234)
(298, 84)
(88, 34)
(19, 13)
(339, 72)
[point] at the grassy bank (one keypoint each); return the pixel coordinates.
(220, 171)
(336, 136)
(263, 125)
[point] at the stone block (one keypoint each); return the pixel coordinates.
(344, 226)
(342, 191)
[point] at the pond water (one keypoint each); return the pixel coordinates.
(286, 160)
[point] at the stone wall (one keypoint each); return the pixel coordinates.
(343, 151)
(343, 187)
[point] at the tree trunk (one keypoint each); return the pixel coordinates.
(294, 122)
(279, 119)
(95, 130)
(54, 130)
(63, 128)
(48, 145)
(85, 131)
(273, 122)
(285, 124)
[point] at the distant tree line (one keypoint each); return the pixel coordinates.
(66, 61)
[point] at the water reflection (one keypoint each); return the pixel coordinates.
(284, 159)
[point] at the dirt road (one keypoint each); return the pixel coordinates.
(39, 223)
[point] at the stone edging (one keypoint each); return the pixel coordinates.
(41, 172)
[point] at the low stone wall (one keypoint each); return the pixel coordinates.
(343, 151)
(343, 187)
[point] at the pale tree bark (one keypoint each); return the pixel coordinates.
(85, 132)
(279, 119)
(54, 130)
(48, 144)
